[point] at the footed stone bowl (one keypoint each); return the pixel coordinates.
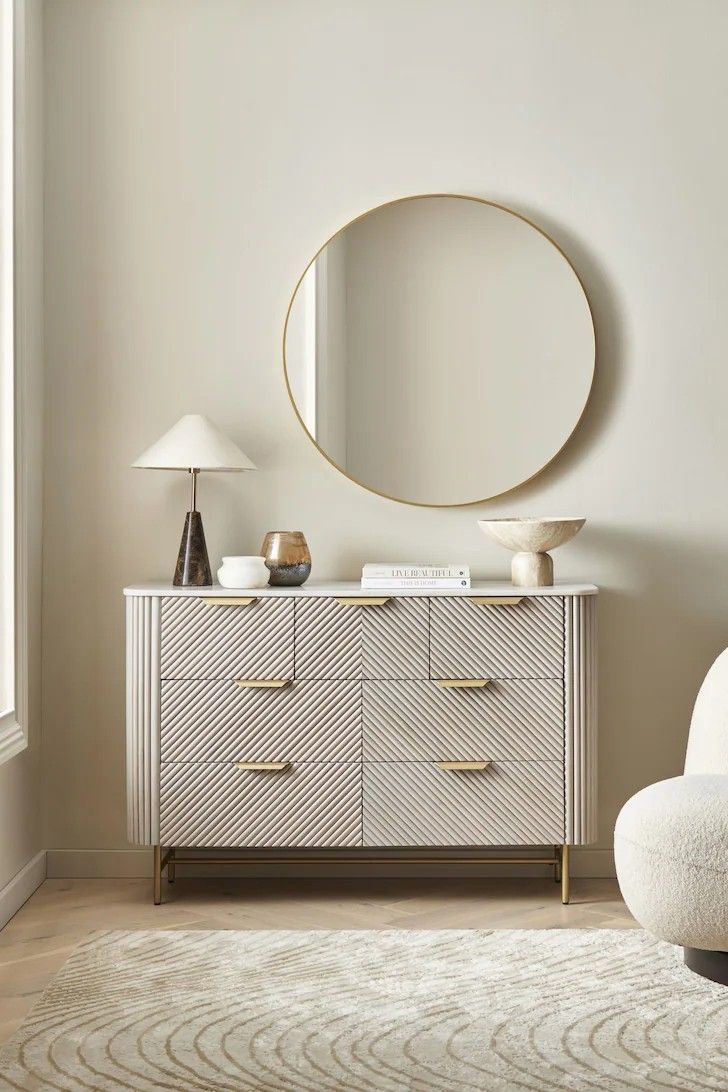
(531, 537)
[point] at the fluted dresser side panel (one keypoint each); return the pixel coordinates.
(580, 684)
(142, 719)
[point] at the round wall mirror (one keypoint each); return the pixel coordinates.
(439, 350)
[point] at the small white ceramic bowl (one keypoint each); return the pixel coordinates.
(243, 572)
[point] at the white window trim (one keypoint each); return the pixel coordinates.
(14, 726)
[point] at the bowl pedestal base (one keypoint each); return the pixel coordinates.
(532, 570)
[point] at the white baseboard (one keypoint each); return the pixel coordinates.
(21, 887)
(109, 863)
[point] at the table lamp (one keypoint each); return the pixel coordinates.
(194, 444)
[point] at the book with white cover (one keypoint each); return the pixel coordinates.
(412, 571)
(402, 583)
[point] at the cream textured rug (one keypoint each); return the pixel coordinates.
(374, 1011)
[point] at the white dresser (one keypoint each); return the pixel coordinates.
(325, 717)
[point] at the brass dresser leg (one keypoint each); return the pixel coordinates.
(157, 875)
(565, 886)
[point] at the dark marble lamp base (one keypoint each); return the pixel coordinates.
(193, 565)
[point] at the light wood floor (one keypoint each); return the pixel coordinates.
(44, 932)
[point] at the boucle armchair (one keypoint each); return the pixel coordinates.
(671, 841)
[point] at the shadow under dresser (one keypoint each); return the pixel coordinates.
(327, 718)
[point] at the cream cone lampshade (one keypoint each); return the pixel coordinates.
(195, 443)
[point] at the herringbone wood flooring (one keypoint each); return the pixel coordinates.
(41, 936)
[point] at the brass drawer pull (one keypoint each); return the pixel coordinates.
(229, 601)
(272, 684)
(362, 601)
(495, 600)
(265, 767)
(464, 765)
(454, 684)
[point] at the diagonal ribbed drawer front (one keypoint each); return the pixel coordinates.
(522, 640)
(419, 804)
(218, 641)
(352, 641)
(507, 719)
(217, 720)
(217, 804)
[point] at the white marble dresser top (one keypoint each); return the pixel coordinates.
(353, 588)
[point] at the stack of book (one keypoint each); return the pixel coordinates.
(398, 576)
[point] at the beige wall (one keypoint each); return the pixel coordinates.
(197, 155)
(20, 797)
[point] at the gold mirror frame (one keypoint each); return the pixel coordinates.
(400, 201)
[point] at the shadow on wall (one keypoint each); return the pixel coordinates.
(609, 342)
(656, 644)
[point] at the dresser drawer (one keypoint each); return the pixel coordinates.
(218, 720)
(217, 640)
(217, 804)
(507, 719)
(419, 804)
(471, 639)
(353, 640)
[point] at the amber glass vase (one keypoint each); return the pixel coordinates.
(288, 558)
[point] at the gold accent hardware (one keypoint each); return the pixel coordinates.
(268, 767)
(157, 875)
(495, 600)
(362, 601)
(191, 859)
(342, 229)
(229, 601)
(271, 684)
(565, 879)
(171, 859)
(464, 765)
(454, 684)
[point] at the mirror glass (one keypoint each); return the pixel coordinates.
(439, 350)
